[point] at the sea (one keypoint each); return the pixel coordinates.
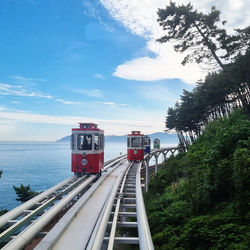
(40, 165)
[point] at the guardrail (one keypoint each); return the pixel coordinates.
(156, 153)
(142, 221)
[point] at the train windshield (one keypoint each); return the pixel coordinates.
(136, 142)
(101, 141)
(84, 142)
(128, 142)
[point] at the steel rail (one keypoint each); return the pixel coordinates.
(26, 236)
(20, 223)
(117, 208)
(14, 213)
(54, 235)
(11, 230)
(113, 159)
(145, 239)
(44, 200)
(99, 231)
(114, 162)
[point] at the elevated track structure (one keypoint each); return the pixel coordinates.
(86, 212)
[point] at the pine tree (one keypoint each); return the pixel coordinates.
(24, 193)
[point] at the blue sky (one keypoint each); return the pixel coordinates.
(64, 62)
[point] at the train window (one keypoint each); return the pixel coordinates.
(72, 142)
(135, 142)
(142, 142)
(84, 142)
(146, 141)
(85, 125)
(96, 142)
(101, 141)
(128, 142)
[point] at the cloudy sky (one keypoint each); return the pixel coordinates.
(64, 62)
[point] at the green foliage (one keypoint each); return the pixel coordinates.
(201, 198)
(220, 231)
(241, 176)
(193, 31)
(24, 193)
(203, 39)
(213, 176)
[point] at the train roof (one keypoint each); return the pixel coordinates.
(156, 139)
(136, 133)
(87, 127)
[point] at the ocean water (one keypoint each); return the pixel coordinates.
(40, 165)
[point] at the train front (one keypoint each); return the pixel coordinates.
(157, 143)
(135, 146)
(87, 144)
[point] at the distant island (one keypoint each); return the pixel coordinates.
(164, 138)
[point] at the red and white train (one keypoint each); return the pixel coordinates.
(87, 144)
(135, 146)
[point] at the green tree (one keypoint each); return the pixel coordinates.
(194, 32)
(201, 198)
(199, 35)
(24, 193)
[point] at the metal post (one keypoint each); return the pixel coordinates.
(146, 181)
(156, 163)
(165, 157)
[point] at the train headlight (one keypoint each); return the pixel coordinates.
(135, 151)
(84, 162)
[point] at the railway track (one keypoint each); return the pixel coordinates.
(85, 212)
(111, 213)
(124, 220)
(20, 225)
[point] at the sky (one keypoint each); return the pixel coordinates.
(63, 62)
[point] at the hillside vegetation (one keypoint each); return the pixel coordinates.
(201, 198)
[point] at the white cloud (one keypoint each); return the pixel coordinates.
(28, 79)
(6, 129)
(16, 90)
(67, 102)
(90, 9)
(15, 102)
(6, 109)
(89, 92)
(99, 76)
(118, 127)
(113, 104)
(140, 17)
(153, 69)
(158, 93)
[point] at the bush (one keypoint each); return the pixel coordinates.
(24, 193)
(201, 199)
(220, 231)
